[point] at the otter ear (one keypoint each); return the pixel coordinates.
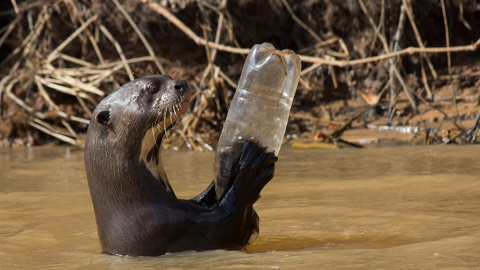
(103, 118)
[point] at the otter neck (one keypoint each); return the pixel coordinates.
(118, 173)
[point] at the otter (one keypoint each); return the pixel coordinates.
(136, 210)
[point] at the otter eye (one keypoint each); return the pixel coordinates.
(153, 88)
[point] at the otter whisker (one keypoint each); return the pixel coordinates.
(180, 123)
(156, 120)
(164, 124)
(154, 137)
(164, 121)
(175, 112)
(181, 99)
(158, 128)
(177, 105)
(146, 128)
(170, 115)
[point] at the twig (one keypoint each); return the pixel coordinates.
(67, 90)
(77, 83)
(302, 24)
(33, 34)
(424, 80)
(55, 134)
(54, 54)
(409, 50)
(141, 36)
(315, 119)
(85, 108)
(310, 68)
(227, 79)
(386, 48)
(209, 58)
(129, 61)
(474, 129)
(15, 7)
(462, 19)
(203, 144)
(339, 131)
(396, 41)
(398, 34)
(190, 140)
(198, 40)
(214, 51)
(5, 79)
(417, 36)
(10, 28)
(44, 94)
(459, 76)
(119, 50)
(76, 60)
(69, 128)
(90, 36)
(21, 103)
(101, 77)
(449, 59)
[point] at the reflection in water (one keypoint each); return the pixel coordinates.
(375, 208)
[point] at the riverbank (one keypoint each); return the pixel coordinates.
(366, 67)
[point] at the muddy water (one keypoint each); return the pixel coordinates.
(415, 207)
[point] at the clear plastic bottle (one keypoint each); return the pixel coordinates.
(260, 107)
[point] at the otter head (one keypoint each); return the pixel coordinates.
(130, 123)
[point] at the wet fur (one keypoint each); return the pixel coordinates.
(136, 210)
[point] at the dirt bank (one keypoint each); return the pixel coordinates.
(59, 59)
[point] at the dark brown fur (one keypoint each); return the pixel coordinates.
(136, 210)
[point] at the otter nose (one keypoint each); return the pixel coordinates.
(178, 85)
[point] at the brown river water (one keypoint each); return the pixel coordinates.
(389, 208)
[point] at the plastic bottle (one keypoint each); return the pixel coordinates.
(260, 107)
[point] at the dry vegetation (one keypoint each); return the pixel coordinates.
(366, 64)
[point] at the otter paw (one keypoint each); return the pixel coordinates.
(252, 170)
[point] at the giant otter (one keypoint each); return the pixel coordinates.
(136, 210)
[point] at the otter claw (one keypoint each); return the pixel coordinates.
(252, 170)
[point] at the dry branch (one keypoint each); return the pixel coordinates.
(141, 36)
(309, 59)
(54, 53)
(119, 50)
(83, 68)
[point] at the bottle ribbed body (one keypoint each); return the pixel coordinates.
(260, 106)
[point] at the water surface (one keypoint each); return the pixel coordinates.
(404, 207)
